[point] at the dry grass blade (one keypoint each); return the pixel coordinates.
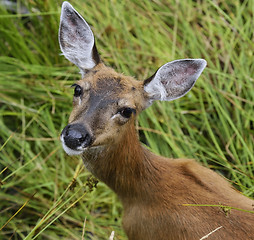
(26, 202)
(210, 233)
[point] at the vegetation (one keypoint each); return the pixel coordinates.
(46, 194)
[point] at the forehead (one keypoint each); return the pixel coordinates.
(111, 86)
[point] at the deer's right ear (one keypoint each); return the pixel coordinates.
(77, 40)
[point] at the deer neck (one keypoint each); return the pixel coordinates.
(126, 166)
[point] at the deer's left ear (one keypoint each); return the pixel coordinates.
(173, 80)
(76, 39)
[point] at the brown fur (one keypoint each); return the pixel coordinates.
(153, 189)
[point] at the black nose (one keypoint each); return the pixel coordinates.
(75, 136)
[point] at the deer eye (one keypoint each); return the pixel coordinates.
(78, 90)
(126, 112)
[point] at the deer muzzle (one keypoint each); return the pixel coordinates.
(75, 139)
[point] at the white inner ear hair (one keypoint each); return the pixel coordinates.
(156, 90)
(79, 50)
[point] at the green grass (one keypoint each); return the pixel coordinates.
(44, 193)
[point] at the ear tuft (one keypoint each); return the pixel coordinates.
(76, 39)
(174, 79)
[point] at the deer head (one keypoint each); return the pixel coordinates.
(106, 103)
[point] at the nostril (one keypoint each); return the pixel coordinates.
(85, 140)
(82, 139)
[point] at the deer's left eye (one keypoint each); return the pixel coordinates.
(127, 112)
(78, 90)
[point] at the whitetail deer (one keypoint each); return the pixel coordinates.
(153, 189)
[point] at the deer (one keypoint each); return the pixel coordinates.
(155, 191)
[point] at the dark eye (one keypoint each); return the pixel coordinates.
(127, 112)
(77, 91)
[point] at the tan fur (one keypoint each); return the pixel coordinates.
(153, 189)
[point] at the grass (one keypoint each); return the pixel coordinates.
(46, 194)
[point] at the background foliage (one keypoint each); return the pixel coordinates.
(47, 195)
